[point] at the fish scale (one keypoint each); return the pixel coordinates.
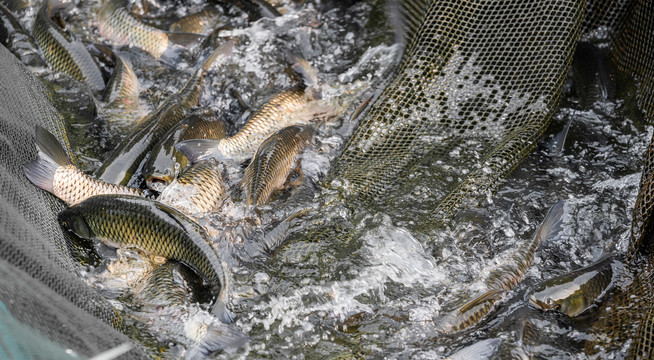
(157, 229)
(116, 23)
(273, 115)
(159, 169)
(198, 190)
(63, 53)
(125, 160)
(272, 162)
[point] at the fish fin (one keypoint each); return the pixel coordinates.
(553, 223)
(246, 182)
(178, 43)
(361, 108)
(221, 51)
(41, 171)
(223, 338)
(303, 68)
(199, 149)
(490, 295)
(220, 307)
(483, 349)
(276, 237)
(221, 312)
(559, 139)
(242, 101)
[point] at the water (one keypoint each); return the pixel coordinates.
(377, 292)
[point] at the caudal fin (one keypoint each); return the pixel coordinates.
(223, 50)
(553, 223)
(218, 338)
(199, 149)
(41, 171)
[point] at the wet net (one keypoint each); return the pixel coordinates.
(476, 90)
(39, 287)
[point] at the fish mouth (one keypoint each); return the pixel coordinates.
(537, 303)
(157, 183)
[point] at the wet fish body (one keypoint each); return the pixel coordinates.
(119, 167)
(574, 293)
(122, 91)
(54, 172)
(504, 278)
(63, 53)
(202, 22)
(164, 285)
(272, 162)
(166, 161)
(155, 228)
(283, 109)
(200, 189)
(117, 24)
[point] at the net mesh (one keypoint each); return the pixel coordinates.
(475, 90)
(473, 73)
(627, 317)
(39, 286)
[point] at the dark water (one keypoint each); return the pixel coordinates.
(381, 293)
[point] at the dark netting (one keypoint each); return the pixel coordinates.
(39, 286)
(627, 317)
(484, 74)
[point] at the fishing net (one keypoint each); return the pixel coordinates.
(39, 287)
(484, 76)
(475, 90)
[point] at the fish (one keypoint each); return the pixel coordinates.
(122, 91)
(593, 74)
(166, 161)
(283, 109)
(164, 285)
(504, 278)
(17, 40)
(123, 162)
(62, 52)
(272, 163)
(54, 172)
(509, 275)
(203, 22)
(574, 293)
(155, 229)
(120, 26)
(199, 189)
(471, 313)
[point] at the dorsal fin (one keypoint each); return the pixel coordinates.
(493, 294)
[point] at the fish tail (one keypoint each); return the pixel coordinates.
(217, 338)
(303, 68)
(221, 51)
(178, 43)
(199, 149)
(553, 223)
(52, 155)
(222, 313)
(220, 307)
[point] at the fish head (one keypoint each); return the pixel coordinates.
(544, 302)
(157, 181)
(75, 222)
